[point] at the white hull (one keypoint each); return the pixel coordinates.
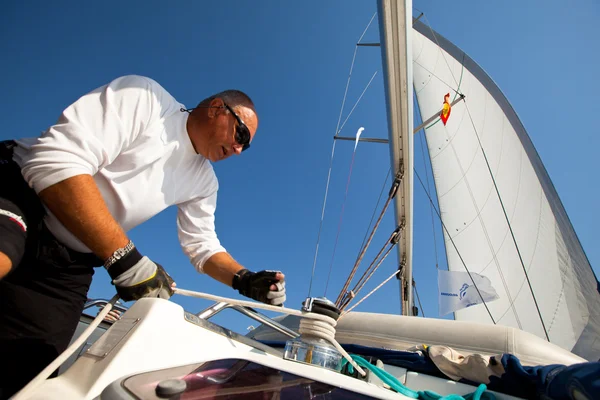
(157, 334)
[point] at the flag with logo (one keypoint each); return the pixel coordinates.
(456, 290)
(446, 108)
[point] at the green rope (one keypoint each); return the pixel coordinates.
(436, 121)
(394, 383)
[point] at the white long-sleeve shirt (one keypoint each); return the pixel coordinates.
(131, 136)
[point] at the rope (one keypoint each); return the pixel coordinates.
(337, 129)
(322, 324)
(456, 248)
(324, 330)
(46, 372)
(337, 236)
(397, 386)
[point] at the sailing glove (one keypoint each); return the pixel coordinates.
(136, 276)
(260, 286)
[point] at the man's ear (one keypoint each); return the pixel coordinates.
(216, 107)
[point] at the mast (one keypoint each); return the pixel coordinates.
(395, 30)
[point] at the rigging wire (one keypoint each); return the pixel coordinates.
(355, 104)
(375, 209)
(369, 294)
(362, 246)
(337, 236)
(337, 129)
(508, 222)
(391, 194)
(456, 249)
(418, 299)
(366, 276)
(322, 217)
(428, 190)
(347, 298)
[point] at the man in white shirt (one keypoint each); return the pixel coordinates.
(116, 157)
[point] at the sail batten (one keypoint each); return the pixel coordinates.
(499, 206)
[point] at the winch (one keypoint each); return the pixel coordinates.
(314, 346)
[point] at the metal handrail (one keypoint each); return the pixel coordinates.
(102, 303)
(263, 319)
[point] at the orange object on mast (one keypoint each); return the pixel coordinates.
(446, 109)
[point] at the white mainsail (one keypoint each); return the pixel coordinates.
(501, 213)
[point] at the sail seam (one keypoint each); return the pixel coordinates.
(509, 224)
(485, 232)
(451, 87)
(440, 48)
(428, 190)
(480, 219)
(456, 249)
(535, 247)
(584, 280)
(464, 178)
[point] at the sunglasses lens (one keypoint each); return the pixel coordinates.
(242, 136)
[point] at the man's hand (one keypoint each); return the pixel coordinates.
(264, 286)
(143, 279)
(113, 316)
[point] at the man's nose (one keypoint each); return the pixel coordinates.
(237, 148)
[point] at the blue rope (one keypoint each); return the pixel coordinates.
(394, 383)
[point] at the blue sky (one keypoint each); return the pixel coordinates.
(293, 59)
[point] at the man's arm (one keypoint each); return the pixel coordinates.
(79, 206)
(196, 226)
(222, 267)
(265, 286)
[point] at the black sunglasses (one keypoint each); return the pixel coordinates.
(242, 134)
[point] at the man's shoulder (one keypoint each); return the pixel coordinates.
(141, 82)
(150, 89)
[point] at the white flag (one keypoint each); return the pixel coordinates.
(456, 290)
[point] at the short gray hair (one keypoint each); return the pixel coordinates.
(232, 97)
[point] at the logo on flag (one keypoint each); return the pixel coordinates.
(458, 291)
(446, 108)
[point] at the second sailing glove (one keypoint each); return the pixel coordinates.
(261, 286)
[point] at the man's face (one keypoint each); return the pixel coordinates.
(222, 140)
